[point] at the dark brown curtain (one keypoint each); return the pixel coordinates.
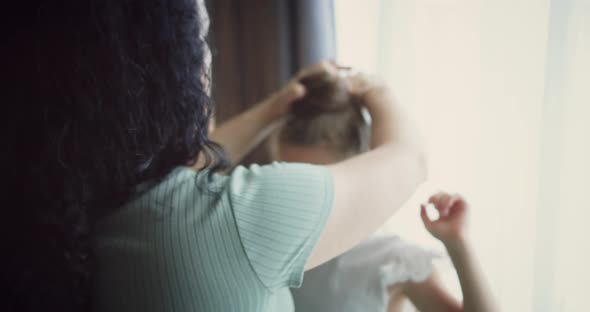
(249, 52)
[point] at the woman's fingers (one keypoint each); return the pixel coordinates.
(292, 92)
(340, 67)
(326, 66)
(358, 83)
(281, 100)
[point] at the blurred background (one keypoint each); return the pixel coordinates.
(501, 91)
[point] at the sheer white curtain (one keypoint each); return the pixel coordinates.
(501, 90)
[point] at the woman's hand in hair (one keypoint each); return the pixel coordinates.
(241, 134)
(280, 102)
(370, 92)
(359, 84)
(369, 188)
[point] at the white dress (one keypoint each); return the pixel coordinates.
(358, 279)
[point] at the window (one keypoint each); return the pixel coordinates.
(500, 90)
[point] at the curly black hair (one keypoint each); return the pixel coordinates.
(108, 94)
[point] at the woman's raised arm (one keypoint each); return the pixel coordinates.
(368, 188)
(371, 187)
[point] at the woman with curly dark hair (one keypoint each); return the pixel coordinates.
(121, 199)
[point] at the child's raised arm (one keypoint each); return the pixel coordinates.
(450, 228)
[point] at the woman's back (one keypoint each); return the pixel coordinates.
(194, 244)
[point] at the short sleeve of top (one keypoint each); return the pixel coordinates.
(280, 211)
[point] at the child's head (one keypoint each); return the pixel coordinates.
(327, 125)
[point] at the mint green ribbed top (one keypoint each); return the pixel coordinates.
(233, 243)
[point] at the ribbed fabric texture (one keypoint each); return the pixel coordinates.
(233, 243)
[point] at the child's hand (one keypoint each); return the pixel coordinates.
(451, 224)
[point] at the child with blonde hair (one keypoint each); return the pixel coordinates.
(329, 126)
